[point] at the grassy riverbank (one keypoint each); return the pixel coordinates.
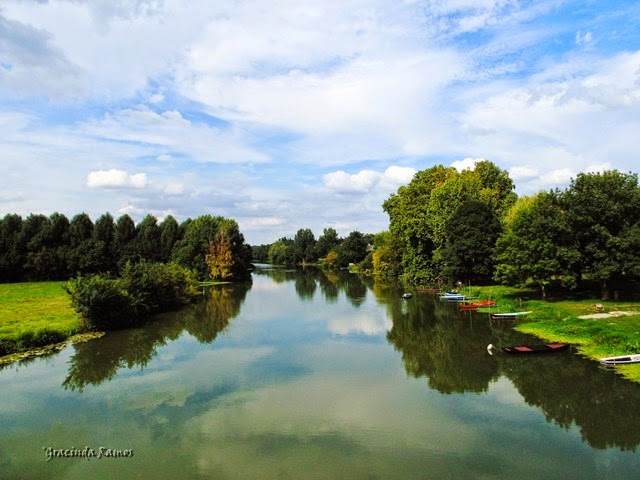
(614, 331)
(35, 314)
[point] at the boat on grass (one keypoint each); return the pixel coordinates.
(620, 360)
(509, 315)
(406, 295)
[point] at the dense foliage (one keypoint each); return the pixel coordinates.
(53, 248)
(143, 289)
(329, 249)
(427, 219)
(468, 226)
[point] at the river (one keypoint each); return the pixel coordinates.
(307, 375)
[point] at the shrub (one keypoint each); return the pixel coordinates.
(144, 289)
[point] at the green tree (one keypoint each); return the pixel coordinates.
(387, 255)
(420, 212)
(47, 246)
(104, 237)
(537, 243)
(353, 249)
(11, 255)
(124, 238)
(326, 242)
(604, 217)
(304, 246)
(147, 242)
(470, 238)
(281, 252)
(192, 250)
(169, 235)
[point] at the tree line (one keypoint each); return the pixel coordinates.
(470, 226)
(40, 247)
(329, 249)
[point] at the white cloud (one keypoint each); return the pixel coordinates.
(367, 180)
(115, 178)
(466, 164)
(341, 181)
(598, 168)
(522, 173)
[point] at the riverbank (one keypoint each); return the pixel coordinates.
(33, 315)
(597, 328)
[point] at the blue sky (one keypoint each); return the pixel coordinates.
(304, 114)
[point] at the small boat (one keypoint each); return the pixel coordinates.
(468, 306)
(620, 360)
(542, 348)
(509, 314)
(406, 295)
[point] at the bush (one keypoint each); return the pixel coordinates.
(144, 289)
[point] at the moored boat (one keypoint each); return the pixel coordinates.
(621, 360)
(541, 348)
(508, 315)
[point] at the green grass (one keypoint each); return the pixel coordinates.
(35, 314)
(557, 320)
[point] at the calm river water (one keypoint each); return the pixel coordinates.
(304, 375)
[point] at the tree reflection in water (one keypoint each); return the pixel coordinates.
(449, 349)
(99, 360)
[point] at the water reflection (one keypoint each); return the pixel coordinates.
(448, 349)
(331, 283)
(97, 361)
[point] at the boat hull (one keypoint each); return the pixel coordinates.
(621, 360)
(542, 348)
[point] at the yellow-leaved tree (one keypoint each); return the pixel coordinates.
(219, 258)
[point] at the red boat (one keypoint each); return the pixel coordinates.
(542, 348)
(476, 305)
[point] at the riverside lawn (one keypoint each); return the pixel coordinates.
(557, 320)
(35, 314)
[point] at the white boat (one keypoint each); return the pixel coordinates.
(621, 360)
(509, 314)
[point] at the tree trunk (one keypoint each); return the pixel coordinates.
(604, 292)
(544, 292)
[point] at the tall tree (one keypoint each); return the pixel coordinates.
(420, 212)
(470, 237)
(537, 243)
(604, 215)
(11, 255)
(104, 237)
(124, 238)
(326, 242)
(304, 245)
(147, 241)
(169, 235)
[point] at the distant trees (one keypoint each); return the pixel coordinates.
(329, 249)
(54, 248)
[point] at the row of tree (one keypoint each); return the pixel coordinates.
(470, 226)
(329, 248)
(55, 248)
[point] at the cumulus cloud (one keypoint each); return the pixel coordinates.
(522, 173)
(466, 164)
(367, 180)
(115, 178)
